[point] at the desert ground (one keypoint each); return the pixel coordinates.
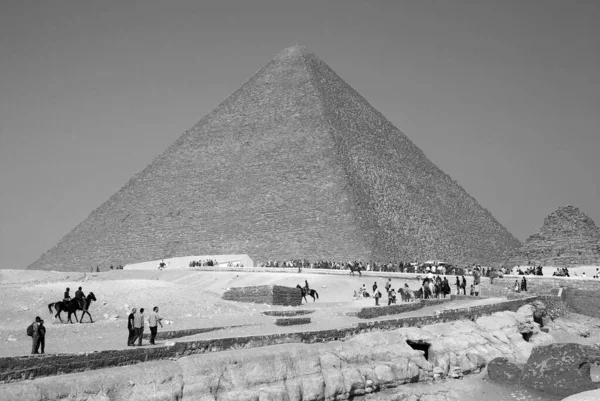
(187, 299)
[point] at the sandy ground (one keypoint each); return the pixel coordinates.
(186, 298)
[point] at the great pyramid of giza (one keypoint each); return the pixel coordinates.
(567, 238)
(294, 164)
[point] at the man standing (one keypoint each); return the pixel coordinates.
(35, 336)
(41, 337)
(138, 324)
(374, 287)
(153, 320)
(131, 327)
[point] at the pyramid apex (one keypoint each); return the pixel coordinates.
(292, 52)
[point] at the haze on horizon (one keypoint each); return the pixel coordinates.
(503, 96)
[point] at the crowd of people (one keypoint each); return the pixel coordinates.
(397, 267)
(200, 263)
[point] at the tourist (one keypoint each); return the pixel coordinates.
(377, 295)
(374, 287)
(476, 289)
(517, 286)
(80, 297)
(463, 285)
(41, 337)
(457, 285)
(131, 327)
(306, 287)
(138, 325)
(446, 287)
(35, 335)
(472, 291)
(524, 284)
(388, 285)
(66, 296)
(153, 320)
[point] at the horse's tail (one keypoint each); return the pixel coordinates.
(317, 294)
(50, 307)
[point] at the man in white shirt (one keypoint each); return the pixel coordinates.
(153, 320)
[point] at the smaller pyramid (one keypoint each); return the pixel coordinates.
(567, 238)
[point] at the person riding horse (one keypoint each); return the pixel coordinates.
(80, 298)
(67, 297)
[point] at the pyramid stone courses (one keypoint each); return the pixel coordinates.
(567, 238)
(294, 164)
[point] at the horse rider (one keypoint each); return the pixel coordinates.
(67, 297)
(80, 297)
(306, 288)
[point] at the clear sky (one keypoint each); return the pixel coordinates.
(504, 96)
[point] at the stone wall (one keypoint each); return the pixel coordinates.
(291, 321)
(544, 284)
(376, 311)
(22, 368)
(584, 302)
(265, 294)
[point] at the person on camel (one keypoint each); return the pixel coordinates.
(80, 297)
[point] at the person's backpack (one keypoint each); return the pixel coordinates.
(30, 330)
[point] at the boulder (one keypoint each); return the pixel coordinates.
(592, 395)
(500, 370)
(561, 369)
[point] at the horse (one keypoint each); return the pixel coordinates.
(354, 269)
(406, 294)
(311, 292)
(72, 307)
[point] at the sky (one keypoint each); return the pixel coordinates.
(504, 96)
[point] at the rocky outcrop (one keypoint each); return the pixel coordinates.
(561, 369)
(303, 372)
(567, 238)
(500, 370)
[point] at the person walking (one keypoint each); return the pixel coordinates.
(153, 320)
(457, 285)
(35, 335)
(130, 327)
(138, 324)
(41, 337)
(463, 285)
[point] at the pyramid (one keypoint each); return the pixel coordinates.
(567, 238)
(294, 164)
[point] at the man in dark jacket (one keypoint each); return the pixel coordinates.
(67, 296)
(41, 337)
(35, 338)
(80, 297)
(130, 327)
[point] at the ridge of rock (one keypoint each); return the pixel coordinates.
(294, 164)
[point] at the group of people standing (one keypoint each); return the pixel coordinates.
(135, 326)
(37, 331)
